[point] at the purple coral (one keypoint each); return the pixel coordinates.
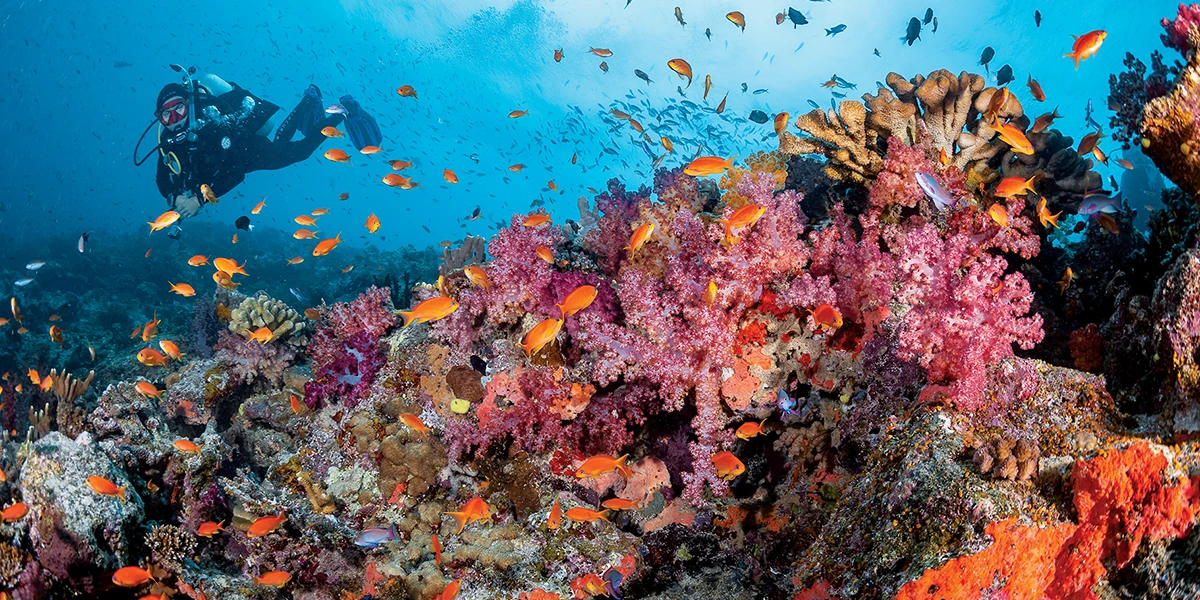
(344, 351)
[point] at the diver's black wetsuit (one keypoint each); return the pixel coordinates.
(227, 145)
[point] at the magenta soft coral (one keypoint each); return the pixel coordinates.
(344, 350)
(965, 312)
(1176, 33)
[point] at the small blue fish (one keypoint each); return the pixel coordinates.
(612, 582)
(836, 29)
(881, 85)
(374, 536)
(838, 94)
(787, 404)
(1096, 203)
(760, 91)
(814, 104)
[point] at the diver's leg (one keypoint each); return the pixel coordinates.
(268, 156)
(303, 118)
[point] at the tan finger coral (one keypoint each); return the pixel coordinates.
(843, 138)
(262, 310)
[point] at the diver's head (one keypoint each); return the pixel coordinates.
(172, 108)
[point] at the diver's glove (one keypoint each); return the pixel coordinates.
(360, 126)
(187, 205)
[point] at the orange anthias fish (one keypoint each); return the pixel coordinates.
(1035, 89)
(1044, 215)
(209, 529)
(151, 358)
(295, 260)
(265, 525)
(258, 207)
(450, 592)
(1100, 155)
(475, 510)
(1010, 187)
(297, 407)
(478, 276)
(681, 67)
(781, 122)
(721, 106)
(450, 176)
(209, 196)
(198, 260)
(558, 55)
(999, 214)
(105, 487)
(171, 349)
(579, 299)
(1088, 143)
(517, 114)
(163, 221)
(415, 423)
(275, 579)
(329, 132)
(667, 145)
(1015, 138)
(1065, 282)
(304, 234)
(432, 309)
(619, 504)
(639, 237)
(261, 335)
(603, 464)
(230, 266)
(749, 429)
(182, 289)
(545, 254)
(555, 517)
(620, 114)
(737, 18)
(146, 388)
(552, 186)
(707, 86)
(326, 245)
(582, 515)
(1125, 164)
(407, 91)
(827, 317)
(543, 333)
(337, 155)
(536, 220)
(318, 212)
(15, 512)
(131, 576)
(516, 167)
(1041, 123)
(999, 99)
(708, 165)
(305, 220)
(372, 223)
(56, 335)
(399, 165)
(601, 52)
(151, 328)
(368, 150)
(728, 466)
(1086, 46)
(225, 280)
(710, 293)
(741, 220)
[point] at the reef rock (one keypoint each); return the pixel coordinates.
(77, 533)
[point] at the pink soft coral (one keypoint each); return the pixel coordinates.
(1176, 33)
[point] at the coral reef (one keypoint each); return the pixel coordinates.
(285, 324)
(1168, 128)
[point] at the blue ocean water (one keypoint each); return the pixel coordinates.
(80, 82)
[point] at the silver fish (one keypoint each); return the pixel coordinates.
(335, 109)
(35, 265)
(83, 240)
(935, 191)
(23, 282)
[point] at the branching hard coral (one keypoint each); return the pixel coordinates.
(286, 325)
(170, 547)
(1121, 499)
(842, 136)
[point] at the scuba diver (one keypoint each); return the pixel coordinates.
(212, 132)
